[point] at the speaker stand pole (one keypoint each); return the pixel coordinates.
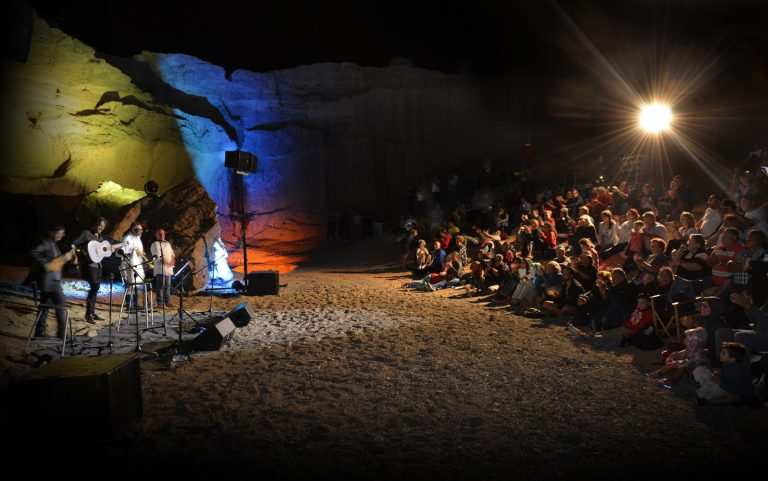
(243, 227)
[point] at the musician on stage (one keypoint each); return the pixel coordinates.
(47, 264)
(131, 265)
(165, 259)
(91, 270)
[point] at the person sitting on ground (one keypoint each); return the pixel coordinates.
(711, 312)
(625, 234)
(525, 290)
(712, 219)
(585, 270)
(621, 297)
(690, 261)
(754, 215)
(438, 258)
(729, 221)
(720, 257)
(408, 244)
(608, 234)
(755, 339)
(656, 260)
(732, 384)
(496, 272)
(684, 361)
(652, 229)
(445, 239)
(549, 283)
(646, 201)
(560, 256)
(633, 329)
(754, 251)
(585, 245)
(584, 230)
(423, 259)
(635, 246)
(461, 248)
(601, 201)
(568, 299)
(564, 225)
(544, 245)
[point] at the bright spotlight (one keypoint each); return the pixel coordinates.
(655, 118)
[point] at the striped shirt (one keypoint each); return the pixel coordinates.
(720, 272)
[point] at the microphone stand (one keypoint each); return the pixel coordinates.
(135, 296)
(109, 330)
(179, 343)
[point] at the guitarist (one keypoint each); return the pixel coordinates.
(91, 270)
(47, 264)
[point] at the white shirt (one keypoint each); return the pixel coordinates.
(164, 253)
(625, 231)
(759, 218)
(710, 222)
(132, 242)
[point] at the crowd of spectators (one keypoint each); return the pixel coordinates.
(596, 258)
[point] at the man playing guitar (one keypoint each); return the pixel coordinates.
(48, 262)
(91, 268)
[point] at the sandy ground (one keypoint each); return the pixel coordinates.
(345, 375)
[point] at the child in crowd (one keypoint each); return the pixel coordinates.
(683, 362)
(731, 385)
(633, 331)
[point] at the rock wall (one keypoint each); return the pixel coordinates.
(329, 137)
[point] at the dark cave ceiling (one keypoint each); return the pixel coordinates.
(484, 37)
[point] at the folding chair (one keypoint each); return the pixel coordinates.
(666, 317)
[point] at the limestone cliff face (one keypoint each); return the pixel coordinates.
(329, 137)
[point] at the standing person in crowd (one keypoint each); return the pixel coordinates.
(91, 270)
(165, 261)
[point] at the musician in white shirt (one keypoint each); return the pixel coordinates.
(134, 253)
(165, 259)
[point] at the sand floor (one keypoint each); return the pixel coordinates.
(345, 375)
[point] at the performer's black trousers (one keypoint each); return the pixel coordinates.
(93, 276)
(56, 297)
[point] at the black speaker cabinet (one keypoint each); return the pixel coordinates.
(263, 283)
(86, 397)
(215, 336)
(241, 315)
(241, 161)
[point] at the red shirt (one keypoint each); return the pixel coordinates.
(638, 321)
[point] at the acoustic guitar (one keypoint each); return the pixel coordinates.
(57, 263)
(97, 251)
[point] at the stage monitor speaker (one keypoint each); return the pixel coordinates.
(214, 336)
(263, 283)
(84, 397)
(241, 315)
(241, 161)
